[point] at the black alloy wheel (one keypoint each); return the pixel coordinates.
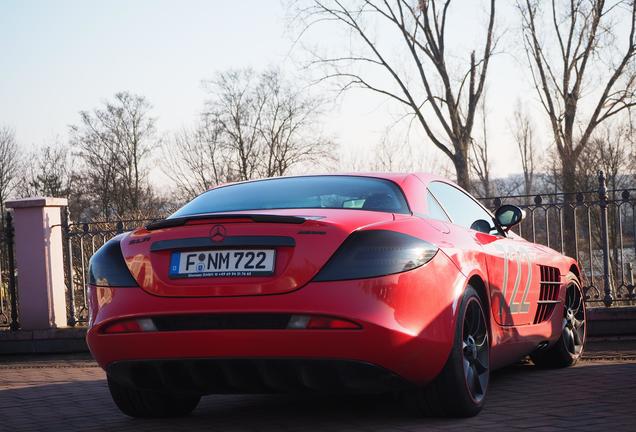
(475, 349)
(461, 387)
(574, 321)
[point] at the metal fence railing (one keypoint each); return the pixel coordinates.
(8, 288)
(81, 241)
(598, 228)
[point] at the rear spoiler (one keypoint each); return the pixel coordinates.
(178, 221)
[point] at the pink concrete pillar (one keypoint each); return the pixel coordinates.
(40, 262)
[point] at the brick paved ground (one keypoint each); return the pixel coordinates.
(69, 393)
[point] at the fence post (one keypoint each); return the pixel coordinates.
(13, 295)
(607, 283)
(630, 273)
(68, 266)
(38, 253)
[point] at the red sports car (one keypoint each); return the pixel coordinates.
(330, 283)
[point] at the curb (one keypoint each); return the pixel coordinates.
(614, 321)
(51, 341)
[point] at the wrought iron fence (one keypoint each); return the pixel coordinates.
(598, 228)
(8, 289)
(81, 241)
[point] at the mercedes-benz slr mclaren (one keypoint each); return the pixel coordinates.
(376, 283)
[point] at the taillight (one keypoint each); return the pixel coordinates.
(372, 253)
(132, 325)
(107, 267)
(317, 322)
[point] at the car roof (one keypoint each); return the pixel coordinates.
(398, 177)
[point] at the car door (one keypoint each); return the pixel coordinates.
(513, 277)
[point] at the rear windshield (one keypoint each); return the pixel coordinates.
(329, 192)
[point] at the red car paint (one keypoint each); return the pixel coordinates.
(407, 319)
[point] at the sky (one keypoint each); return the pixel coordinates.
(60, 57)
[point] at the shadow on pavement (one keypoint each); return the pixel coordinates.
(591, 396)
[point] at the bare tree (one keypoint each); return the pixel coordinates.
(609, 150)
(353, 160)
(113, 143)
(523, 134)
(387, 156)
(391, 154)
(47, 173)
(396, 150)
(506, 186)
(196, 160)
(287, 126)
(235, 107)
(481, 167)
(479, 162)
(584, 32)
(588, 53)
(443, 102)
(9, 165)
(265, 124)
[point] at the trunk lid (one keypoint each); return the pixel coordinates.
(301, 248)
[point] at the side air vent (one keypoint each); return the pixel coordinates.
(549, 293)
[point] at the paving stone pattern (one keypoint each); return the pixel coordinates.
(70, 393)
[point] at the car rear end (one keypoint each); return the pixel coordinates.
(320, 297)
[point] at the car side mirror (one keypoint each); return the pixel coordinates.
(509, 215)
(481, 226)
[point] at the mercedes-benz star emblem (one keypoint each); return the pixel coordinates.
(217, 233)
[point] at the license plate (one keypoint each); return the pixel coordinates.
(222, 263)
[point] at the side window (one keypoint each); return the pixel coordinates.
(434, 210)
(462, 209)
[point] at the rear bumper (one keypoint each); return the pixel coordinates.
(406, 320)
(219, 376)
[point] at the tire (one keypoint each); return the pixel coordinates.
(452, 394)
(149, 404)
(568, 348)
